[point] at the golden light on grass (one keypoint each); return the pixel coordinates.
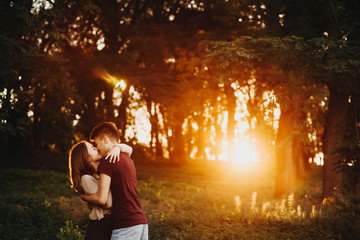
(282, 209)
(265, 207)
(313, 213)
(237, 203)
(299, 211)
(253, 202)
(291, 201)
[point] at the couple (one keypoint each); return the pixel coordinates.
(109, 188)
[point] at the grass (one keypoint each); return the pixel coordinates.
(199, 201)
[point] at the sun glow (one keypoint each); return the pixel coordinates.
(243, 153)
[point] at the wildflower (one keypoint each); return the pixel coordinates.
(237, 203)
(299, 212)
(253, 201)
(291, 200)
(328, 201)
(313, 212)
(265, 206)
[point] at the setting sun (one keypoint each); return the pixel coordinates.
(243, 153)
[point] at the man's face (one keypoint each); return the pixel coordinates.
(101, 144)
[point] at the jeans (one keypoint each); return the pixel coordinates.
(137, 232)
(99, 229)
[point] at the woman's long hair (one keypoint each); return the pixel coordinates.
(78, 165)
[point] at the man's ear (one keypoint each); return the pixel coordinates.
(106, 140)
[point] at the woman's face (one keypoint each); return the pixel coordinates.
(93, 152)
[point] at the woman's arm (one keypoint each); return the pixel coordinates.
(90, 186)
(101, 195)
(114, 156)
(125, 148)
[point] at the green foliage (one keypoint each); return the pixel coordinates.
(343, 217)
(200, 206)
(180, 203)
(33, 202)
(30, 217)
(70, 232)
(42, 182)
(13, 56)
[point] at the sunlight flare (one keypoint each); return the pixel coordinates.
(117, 83)
(243, 153)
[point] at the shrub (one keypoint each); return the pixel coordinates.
(69, 232)
(30, 217)
(34, 205)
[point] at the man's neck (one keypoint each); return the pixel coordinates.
(111, 146)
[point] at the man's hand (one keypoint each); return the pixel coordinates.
(114, 155)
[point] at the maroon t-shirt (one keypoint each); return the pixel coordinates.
(126, 210)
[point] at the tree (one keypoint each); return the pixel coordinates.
(276, 70)
(13, 56)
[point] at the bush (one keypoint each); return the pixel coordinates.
(30, 217)
(69, 232)
(32, 204)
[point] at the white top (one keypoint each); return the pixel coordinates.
(90, 186)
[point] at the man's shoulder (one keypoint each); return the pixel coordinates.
(124, 155)
(125, 159)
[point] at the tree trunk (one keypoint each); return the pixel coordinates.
(218, 137)
(158, 147)
(152, 125)
(37, 130)
(122, 112)
(178, 142)
(338, 107)
(306, 156)
(37, 124)
(109, 106)
(231, 105)
(89, 119)
(201, 139)
(285, 165)
(298, 156)
(188, 137)
(167, 128)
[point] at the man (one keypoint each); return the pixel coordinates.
(129, 221)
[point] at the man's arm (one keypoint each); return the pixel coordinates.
(101, 196)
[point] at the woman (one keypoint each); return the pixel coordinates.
(84, 160)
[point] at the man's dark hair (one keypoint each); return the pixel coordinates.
(106, 128)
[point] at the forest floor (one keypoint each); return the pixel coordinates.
(197, 201)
